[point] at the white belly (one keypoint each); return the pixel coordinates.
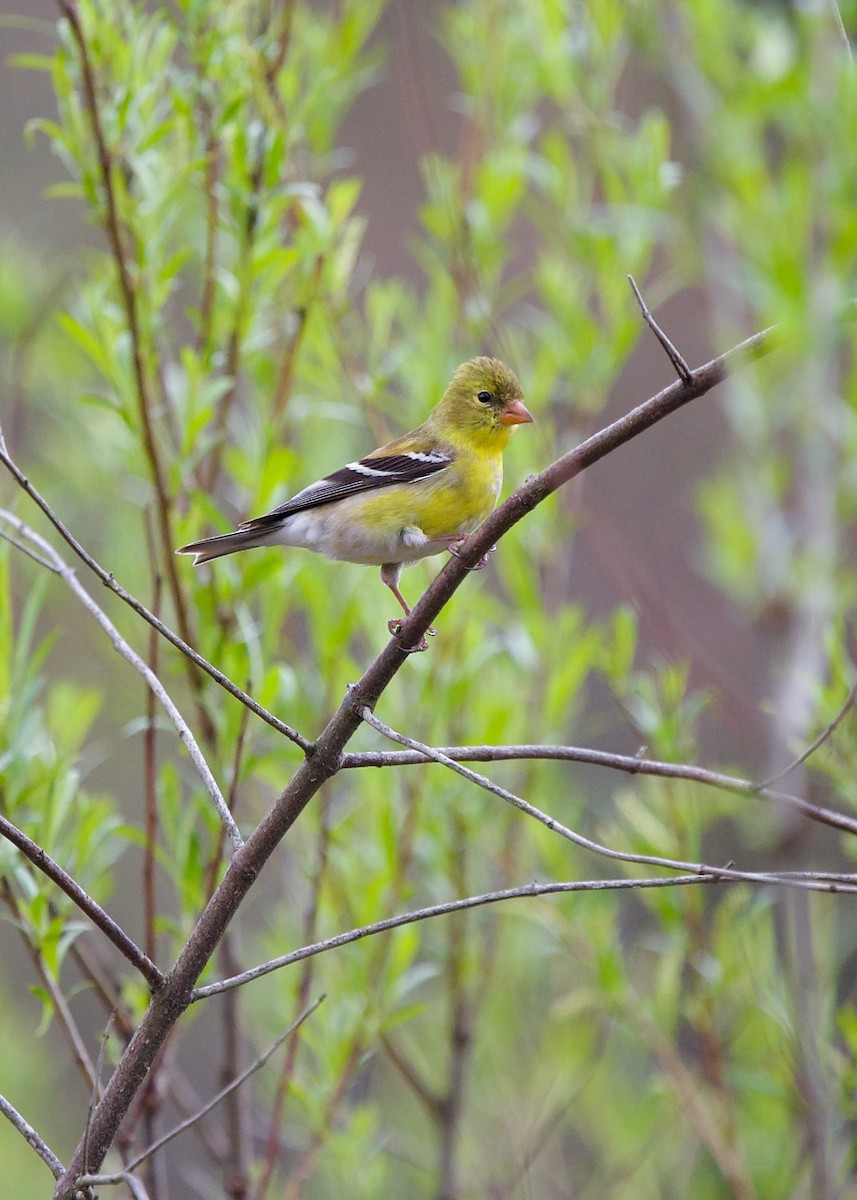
(326, 530)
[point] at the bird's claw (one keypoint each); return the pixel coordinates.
(395, 626)
(455, 549)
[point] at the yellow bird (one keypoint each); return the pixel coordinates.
(419, 495)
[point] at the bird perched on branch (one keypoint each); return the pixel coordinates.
(419, 495)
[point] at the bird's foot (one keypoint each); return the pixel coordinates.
(456, 547)
(395, 627)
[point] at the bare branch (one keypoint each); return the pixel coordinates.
(43, 562)
(135, 1186)
(65, 1018)
(431, 1101)
(29, 1134)
(438, 910)
(813, 746)
(216, 859)
(60, 1006)
(108, 580)
(224, 1092)
(83, 900)
(812, 881)
(154, 684)
(96, 1084)
(681, 368)
(273, 1139)
(106, 988)
(150, 773)
(629, 764)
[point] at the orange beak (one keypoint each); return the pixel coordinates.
(516, 414)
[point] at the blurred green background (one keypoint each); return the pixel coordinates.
(323, 209)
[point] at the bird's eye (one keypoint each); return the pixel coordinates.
(484, 397)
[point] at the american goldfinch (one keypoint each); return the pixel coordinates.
(418, 495)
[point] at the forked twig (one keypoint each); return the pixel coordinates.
(629, 764)
(812, 880)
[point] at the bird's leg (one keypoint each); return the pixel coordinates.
(456, 545)
(390, 573)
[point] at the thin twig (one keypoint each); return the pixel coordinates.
(235, 1117)
(232, 800)
(629, 764)
(150, 771)
(43, 861)
(187, 1101)
(187, 739)
(34, 1139)
(585, 843)
(60, 1006)
(135, 1186)
(347, 1066)
(430, 1100)
(696, 1105)
(109, 581)
(37, 558)
(813, 746)
(715, 875)
(681, 368)
(461, 1002)
(274, 1135)
(106, 989)
(222, 1094)
(351, 1057)
(95, 1094)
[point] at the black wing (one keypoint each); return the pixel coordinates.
(383, 470)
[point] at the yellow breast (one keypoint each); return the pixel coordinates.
(453, 501)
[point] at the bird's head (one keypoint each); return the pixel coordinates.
(483, 401)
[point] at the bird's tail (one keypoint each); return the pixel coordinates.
(224, 543)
